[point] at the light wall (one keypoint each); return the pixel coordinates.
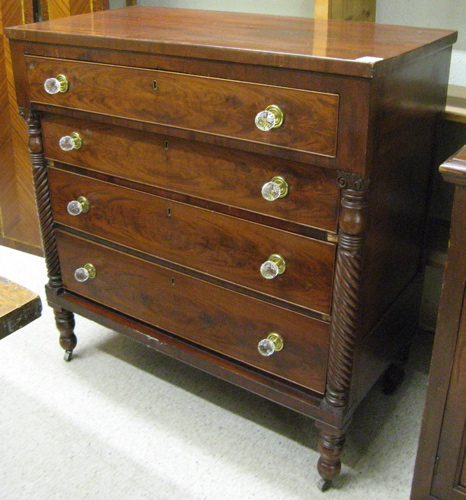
(303, 8)
(448, 14)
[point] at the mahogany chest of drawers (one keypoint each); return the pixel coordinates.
(245, 193)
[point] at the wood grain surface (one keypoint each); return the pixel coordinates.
(229, 322)
(223, 175)
(289, 42)
(226, 247)
(18, 306)
(310, 124)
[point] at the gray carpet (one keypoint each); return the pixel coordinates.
(123, 422)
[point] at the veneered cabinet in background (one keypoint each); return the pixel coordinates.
(19, 225)
(440, 465)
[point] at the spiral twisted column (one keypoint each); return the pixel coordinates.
(345, 317)
(346, 301)
(41, 188)
(64, 319)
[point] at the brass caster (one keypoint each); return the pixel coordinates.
(324, 485)
(68, 355)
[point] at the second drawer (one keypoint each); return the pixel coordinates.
(219, 245)
(219, 174)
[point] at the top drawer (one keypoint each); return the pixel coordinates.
(211, 105)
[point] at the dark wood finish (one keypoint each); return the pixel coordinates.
(311, 118)
(229, 322)
(198, 170)
(18, 306)
(353, 253)
(199, 239)
(41, 188)
(331, 444)
(346, 305)
(354, 99)
(277, 41)
(440, 463)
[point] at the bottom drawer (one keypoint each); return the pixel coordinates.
(227, 322)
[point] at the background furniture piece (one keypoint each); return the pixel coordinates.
(19, 226)
(440, 465)
(348, 10)
(18, 306)
(253, 208)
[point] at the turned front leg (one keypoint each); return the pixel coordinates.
(65, 323)
(345, 320)
(331, 445)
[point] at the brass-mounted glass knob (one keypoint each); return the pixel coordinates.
(273, 342)
(271, 117)
(56, 85)
(70, 142)
(79, 206)
(272, 267)
(87, 272)
(276, 188)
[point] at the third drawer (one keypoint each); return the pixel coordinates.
(215, 244)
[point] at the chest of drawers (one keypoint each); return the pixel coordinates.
(244, 193)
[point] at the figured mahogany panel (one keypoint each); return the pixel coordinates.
(213, 243)
(229, 323)
(211, 105)
(223, 175)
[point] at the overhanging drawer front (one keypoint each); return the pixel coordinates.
(224, 321)
(211, 105)
(219, 174)
(220, 245)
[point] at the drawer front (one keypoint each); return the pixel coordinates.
(224, 321)
(218, 174)
(223, 246)
(210, 105)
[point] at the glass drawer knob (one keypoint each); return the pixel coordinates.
(271, 117)
(273, 342)
(276, 188)
(56, 85)
(87, 272)
(79, 206)
(70, 142)
(272, 267)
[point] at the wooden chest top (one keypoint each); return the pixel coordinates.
(286, 42)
